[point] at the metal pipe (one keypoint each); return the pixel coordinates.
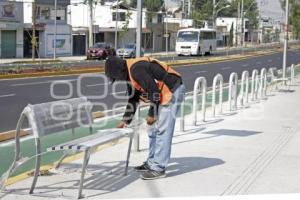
(116, 29)
(263, 83)
(200, 81)
(233, 87)
(55, 29)
(182, 120)
(254, 84)
(136, 138)
(292, 73)
(139, 28)
(217, 78)
(244, 94)
(286, 35)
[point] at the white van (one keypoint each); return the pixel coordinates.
(196, 41)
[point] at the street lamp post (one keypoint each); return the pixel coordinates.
(116, 29)
(139, 28)
(55, 29)
(286, 35)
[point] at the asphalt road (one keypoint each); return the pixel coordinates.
(96, 63)
(15, 94)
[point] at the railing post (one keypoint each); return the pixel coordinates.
(244, 92)
(292, 73)
(200, 81)
(233, 87)
(136, 138)
(254, 84)
(182, 116)
(263, 83)
(217, 78)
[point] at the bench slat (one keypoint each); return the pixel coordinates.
(101, 137)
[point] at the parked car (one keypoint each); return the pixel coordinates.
(100, 51)
(128, 51)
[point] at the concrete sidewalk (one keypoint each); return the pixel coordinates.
(254, 150)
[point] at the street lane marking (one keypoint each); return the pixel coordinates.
(224, 68)
(98, 84)
(118, 92)
(7, 95)
(270, 60)
(41, 82)
(245, 65)
(199, 72)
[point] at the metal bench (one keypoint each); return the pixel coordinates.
(55, 118)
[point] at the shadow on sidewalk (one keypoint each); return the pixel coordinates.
(229, 132)
(108, 177)
(183, 165)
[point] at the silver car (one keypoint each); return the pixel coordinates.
(128, 51)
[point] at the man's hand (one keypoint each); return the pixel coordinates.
(150, 120)
(121, 124)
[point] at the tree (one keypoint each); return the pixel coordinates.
(294, 15)
(231, 35)
(203, 10)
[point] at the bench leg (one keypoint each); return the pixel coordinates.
(66, 154)
(37, 166)
(128, 155)
(85, 163)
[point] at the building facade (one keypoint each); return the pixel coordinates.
(104, 26)
(45, 28)
(11, 29)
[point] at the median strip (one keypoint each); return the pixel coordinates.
(100, 68)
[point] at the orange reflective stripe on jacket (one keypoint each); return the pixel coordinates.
(165, 92)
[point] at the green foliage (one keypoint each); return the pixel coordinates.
(151, 5)
(294, 15)
(125, 27)
(203, 10)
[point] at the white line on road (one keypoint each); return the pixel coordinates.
(98, 84)
(118, 92)
(245, 65)
(199, 72)
(224, 68)
(7, 95)
(41, 82)
(270, 60)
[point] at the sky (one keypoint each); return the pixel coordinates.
(268, 8)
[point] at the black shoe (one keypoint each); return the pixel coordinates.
(142, 168)
(151, 174)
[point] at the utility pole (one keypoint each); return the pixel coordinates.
(166, 34)
(90, 2)
(237, 29)
(243, 30)
(55, 29)
(139, 28)
(116, 29)
(33, 39)
(214, 13)
(286, 35)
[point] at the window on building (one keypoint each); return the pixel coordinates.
(121, 16)
(159, 18)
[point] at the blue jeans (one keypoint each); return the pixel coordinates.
(161, 132)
